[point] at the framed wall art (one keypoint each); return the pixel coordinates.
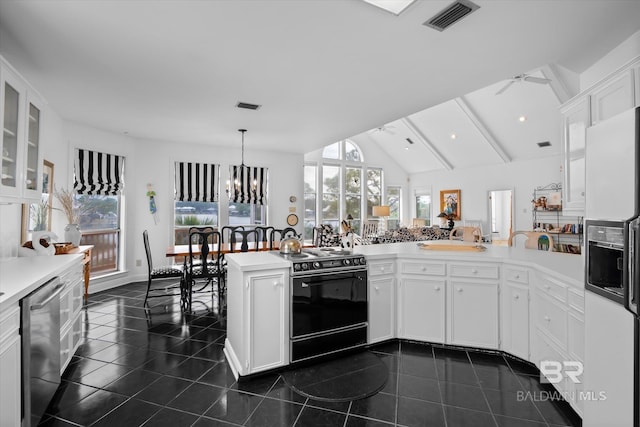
(450, 203)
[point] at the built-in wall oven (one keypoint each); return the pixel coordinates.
(329, 310)
(606, 259)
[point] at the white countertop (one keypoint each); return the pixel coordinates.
(570, 266)
(264, 260)
(22, 275)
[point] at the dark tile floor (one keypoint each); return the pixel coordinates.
(168, 368)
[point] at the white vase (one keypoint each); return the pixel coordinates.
(72, 234)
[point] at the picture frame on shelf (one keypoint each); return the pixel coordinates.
(450, 203)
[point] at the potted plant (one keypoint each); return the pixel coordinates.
(72, 212)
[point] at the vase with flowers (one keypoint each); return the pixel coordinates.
(72, 231)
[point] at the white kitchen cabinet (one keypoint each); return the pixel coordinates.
(10, 367)
(258, 333)
(70, 313)
(514, 312)
(382, 301)
(612, 97)
(473, 313)
(575, 120)
(421, 309)
(21, 122)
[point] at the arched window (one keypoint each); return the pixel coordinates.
(341, 185)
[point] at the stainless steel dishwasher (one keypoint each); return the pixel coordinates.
(40, 327)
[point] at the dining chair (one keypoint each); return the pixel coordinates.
(159, 273)
(280, 234)
(203, 264)
(466, 234)
(535, 240)
(228, 230)
(243, 237)
(264, 233)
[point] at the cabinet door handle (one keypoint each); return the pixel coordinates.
(424, 268)
(377, 288)
(547, 318)
(474, 271)
(517, 276)
(381, 269)
(516, 297)
(547, 287)
(459, 289)
(437, 288)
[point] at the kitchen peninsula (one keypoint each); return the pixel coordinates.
(526, 303)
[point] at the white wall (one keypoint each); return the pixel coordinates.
(623, 53)
(475, 184)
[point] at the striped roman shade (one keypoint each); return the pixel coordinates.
(98, 173)
(248, 185)
(197, 182)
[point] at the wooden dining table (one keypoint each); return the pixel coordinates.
(225, 248)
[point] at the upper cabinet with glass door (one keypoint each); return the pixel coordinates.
(21, 122)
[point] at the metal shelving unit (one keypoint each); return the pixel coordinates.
(547, 216)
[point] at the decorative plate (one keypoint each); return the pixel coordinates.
(292, 219)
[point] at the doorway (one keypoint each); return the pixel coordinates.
(500, 215)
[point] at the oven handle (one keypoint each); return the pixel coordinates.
(632, 266)
(306, 285)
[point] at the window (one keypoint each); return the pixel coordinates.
(310, 200)
(98, 183)
(331, 195)
(423, 207)
(195, 198)
(246, 214)
(347, 187)
(192, 214)
(374, 191)
(394, 203)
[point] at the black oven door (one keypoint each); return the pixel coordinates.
(605, 259)
(328, 313)
(325, 302)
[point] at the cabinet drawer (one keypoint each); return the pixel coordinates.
(516, 275)
(423, 267)
(545, 350)
(576, 300)
(481, 271)
(551, 317)
(553, 288)
(9, 323)
(378, 268)
(77, 295)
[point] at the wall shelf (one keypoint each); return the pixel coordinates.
(548, 217)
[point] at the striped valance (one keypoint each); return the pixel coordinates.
(248, 185)
(98, 173)
(197, 182)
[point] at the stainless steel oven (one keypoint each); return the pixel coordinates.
(606, 259)
(329, 305)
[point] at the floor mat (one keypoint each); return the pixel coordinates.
(345, 378)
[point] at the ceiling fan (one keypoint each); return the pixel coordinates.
(523, 78)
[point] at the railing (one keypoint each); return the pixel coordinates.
(104, 256)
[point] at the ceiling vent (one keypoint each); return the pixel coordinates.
(409, 140)
(544, 144)
(451, 14)
(247, 106)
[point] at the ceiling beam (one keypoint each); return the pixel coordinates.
(491, 140)
(557, 85)
(425, 141)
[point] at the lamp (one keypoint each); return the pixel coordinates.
(238, 183)
(450, 217)
(382, 212)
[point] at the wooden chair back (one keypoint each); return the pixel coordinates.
(466, 234)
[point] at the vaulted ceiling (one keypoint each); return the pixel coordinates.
(322, 70)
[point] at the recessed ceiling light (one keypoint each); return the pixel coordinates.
(406, 148)
(394, 6)
(454, 136)
(522, 118)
